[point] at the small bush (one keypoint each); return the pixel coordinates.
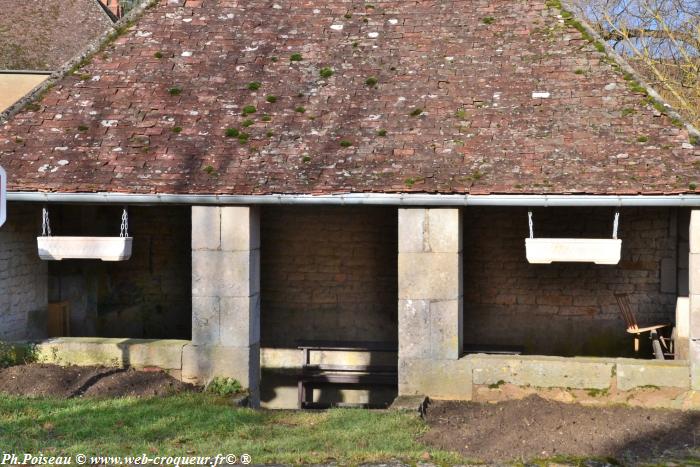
(175, 91)
(224, 386)
(249, 109)
(326, 72)
(488, 20)
(345, 143)
(232, 132)
(11, 355)
(416, 112)
(158, 54)
(177, 129)
(300, 109)
(247, 123)
(254, 86)
(271, 99)
(371, 81)
(381, 133)
(295, 58)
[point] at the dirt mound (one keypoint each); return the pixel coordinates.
(89, 381)
(534, 428)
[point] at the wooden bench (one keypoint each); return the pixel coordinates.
(318, 375)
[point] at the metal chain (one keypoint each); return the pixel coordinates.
(45, 225)
(529, 221)
(616, 223)
(125, 224)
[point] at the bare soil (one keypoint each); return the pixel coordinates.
(537, 428)
(37, 380)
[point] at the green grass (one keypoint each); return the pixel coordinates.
(204, 424)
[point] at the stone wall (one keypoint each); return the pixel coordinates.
(147, 296)
(22, 276)
(328, 273)
(567, 308)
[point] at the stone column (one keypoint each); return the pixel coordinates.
(225, 297)
(430, 304)
(694, 296)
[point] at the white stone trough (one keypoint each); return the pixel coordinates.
(103, 248)
(578, 250)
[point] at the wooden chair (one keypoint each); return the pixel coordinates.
(662, 346)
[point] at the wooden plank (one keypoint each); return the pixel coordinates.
(351, 346)
(355, 368)
(493, 349)
(348, 378)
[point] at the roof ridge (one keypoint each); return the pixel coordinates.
(82, 58)
(658, 102)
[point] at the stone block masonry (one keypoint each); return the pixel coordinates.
(430, 301)
(23, 276)
(567, 309)
(225, 297)
(328, 273)
(147, 296)
(694, 296)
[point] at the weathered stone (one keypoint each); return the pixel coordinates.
(23, 276)
(225, 273)
(694, 354)
(205, 320)
(544, 372)
(430, 303)
(694, 235)
(226, 304)
(635, 374)
(437, 379)
(201, 363)
(117, 352)
(694, 274)
(240, 228)
(240, 321)
(415, 404)
(430, 276)
(446, 329)
(161, 353)
(414, 329)
(411, 230)
(444, 230)
(206, 227)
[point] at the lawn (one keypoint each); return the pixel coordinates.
(204, 424)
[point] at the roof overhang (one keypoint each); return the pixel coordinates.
(369, 199)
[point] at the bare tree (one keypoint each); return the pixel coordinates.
(660, 38)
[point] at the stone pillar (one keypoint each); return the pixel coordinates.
(430, 304)
(694, 296)
(225, 297)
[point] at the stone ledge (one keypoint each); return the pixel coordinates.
(543, 372)
(633, 374)
(118, 352)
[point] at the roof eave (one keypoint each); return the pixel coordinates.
(369, 199)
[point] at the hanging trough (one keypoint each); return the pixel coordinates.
(102, 248)
(573, 250)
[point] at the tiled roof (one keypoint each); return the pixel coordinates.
(285, 96)
(44, 34)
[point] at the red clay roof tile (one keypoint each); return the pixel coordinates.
(522, 104)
